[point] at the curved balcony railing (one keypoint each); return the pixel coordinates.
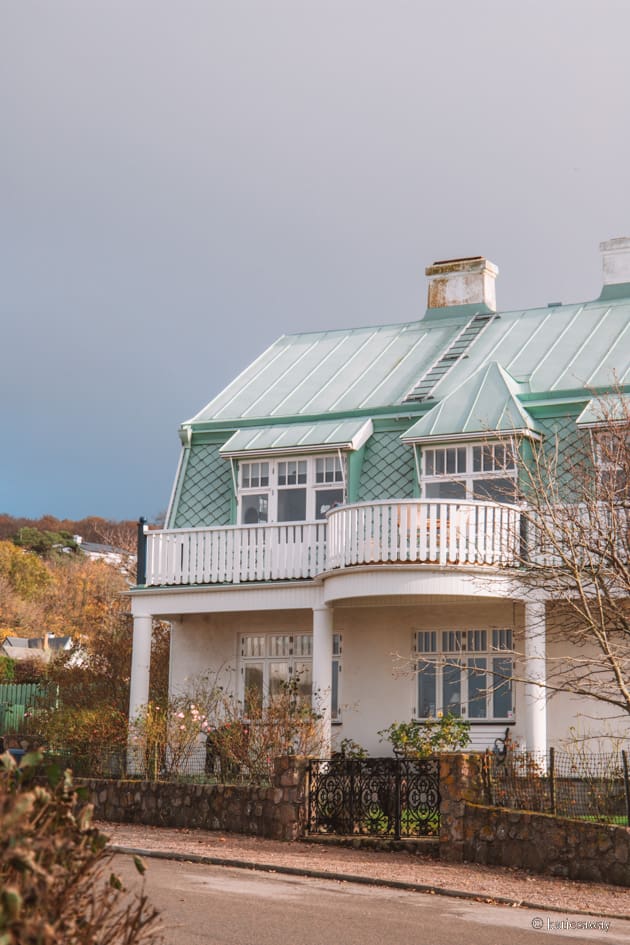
(423, 531)
(404, 530)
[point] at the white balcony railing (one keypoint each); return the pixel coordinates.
(236, 553)
(412, 531)
(424, 532)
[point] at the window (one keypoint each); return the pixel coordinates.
(465, 673)
(290, 490)
(476, 471)
(270, 661)
(611, 451)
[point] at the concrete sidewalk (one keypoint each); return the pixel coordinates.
(395, 869)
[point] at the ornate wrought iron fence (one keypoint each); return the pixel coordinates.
(389, 797)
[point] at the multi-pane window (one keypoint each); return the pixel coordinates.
(254, 501)
(465, 673)
(290, 490)
(476, 471)
(271, 662)
(611, 458)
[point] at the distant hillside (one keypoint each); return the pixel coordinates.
(120, 534)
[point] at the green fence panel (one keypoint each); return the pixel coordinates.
(15, 700)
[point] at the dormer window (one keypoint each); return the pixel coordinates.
(290, 489)
(484, 471)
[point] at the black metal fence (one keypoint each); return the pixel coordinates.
(155, 764)
(388, 797)
(588, 786)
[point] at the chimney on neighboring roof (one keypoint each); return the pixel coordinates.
(616, 264)
(469, 281)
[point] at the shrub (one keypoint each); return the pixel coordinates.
(7, 669)
(420, 739)
(247, 740)
(165, 737)
(89, 737)
(348, 748)
(56, 885)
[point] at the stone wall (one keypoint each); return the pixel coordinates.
(277, 811)
(546, 844)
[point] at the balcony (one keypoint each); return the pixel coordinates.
(410, 531)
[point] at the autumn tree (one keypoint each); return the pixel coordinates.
(44, 542)
(46, 591)
(24, 582)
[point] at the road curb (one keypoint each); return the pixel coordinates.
(351, 878)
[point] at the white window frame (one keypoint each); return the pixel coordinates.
(603, 457)
(449, 652)
(454, 462)
(270, 651)
(297, 651)
(286, 473)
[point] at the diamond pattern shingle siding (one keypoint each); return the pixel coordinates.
(206, 491)
(388, 469)
(572, 444)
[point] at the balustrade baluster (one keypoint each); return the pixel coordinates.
(446, 532)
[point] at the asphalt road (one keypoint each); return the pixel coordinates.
(213, 905)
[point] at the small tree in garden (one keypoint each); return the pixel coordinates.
(237, 742)
(165, 737)
(249, 742)
(56, 884)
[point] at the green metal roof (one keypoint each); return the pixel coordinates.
(545, 350)
(299, 437)
(486, 402)
(614, 408)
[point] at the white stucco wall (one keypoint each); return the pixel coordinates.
(208, 643)
(593, 720)
(377, 688)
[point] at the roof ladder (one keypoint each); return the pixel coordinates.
(457, 348)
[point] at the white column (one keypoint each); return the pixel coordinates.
(322, 670)
(535, 677)
(140, 665)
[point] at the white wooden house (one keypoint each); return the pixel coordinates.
(341, 511)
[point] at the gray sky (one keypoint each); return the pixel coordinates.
(181, 182)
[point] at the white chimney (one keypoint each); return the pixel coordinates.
(616, 260)
(468, 281)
